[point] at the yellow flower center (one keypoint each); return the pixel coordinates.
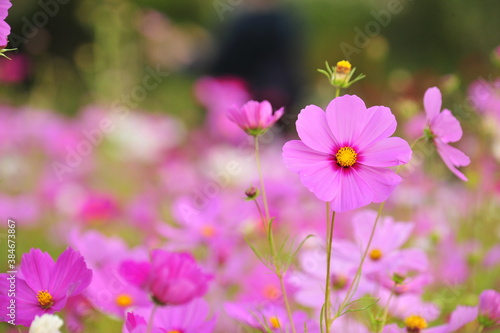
(175, 331)
(124, 300)
(271, 292)
(343, 67)
(415, 323)
(375, 254)
(45, 299)
(346, 157)
(208, 231)
(274, 322)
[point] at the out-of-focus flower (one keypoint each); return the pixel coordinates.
(443, 129)
(46, 323)
(170, 278)
(44, 286)
(188, 318)
(4, 27)
(255, 118)
(489, 308)
(344, 155)
(217, 95)
(15, 70)
(273, 318)
(460, 317)
(389, 237)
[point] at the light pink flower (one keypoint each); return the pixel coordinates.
(344, 155)
(254, 117)
(444, 128)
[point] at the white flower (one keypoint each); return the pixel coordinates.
(47, 323)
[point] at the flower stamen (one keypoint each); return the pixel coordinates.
(346, 157)
(275, 323)
(375, 254)
(124, 300)
(45, 299)
(414, 324)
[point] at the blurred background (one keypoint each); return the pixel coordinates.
(78, 52)
(175, 66)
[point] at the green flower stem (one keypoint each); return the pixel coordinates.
(151, 318)
(480, 329)
(386, 309)
(269, 231)
(330, 222)
(337, 92)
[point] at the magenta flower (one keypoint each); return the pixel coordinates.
(170, 278)
(42, 285)
(443, 129)
(188, 318)
(255, 118)
(489, 308)
(4, 27)
(344, 154)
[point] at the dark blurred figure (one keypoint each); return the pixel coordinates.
(262, 48)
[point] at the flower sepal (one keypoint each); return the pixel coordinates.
(2, 52)
(340, 75)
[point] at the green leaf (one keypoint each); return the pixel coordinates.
(294, 254)
(371, 302)
(322, 318)
(259, 256)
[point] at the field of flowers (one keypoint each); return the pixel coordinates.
(141, 192)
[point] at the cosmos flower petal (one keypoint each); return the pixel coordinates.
(462, 316)
(382, 124)
(432, 103)
(70, 275)
(298, 156)
(446, 127)
(35, 269)
(346, 116)
(381, 181)
(354, 192)
(313, 129)
(386, 153)
(453, 158)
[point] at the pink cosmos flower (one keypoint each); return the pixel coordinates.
(4, 27)
(444, 128)
(255, 117)
(44, 286)
(489, 308)
(170, 278)
(188, 318)
(344, 154)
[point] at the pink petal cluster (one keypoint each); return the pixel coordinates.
(170, 278)
(255, 117)
(489, 307)
(42, 285)
(4, 27)
(444, 128)
(345, 153)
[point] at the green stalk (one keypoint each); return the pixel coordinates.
(270, 236)
(330, 222)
